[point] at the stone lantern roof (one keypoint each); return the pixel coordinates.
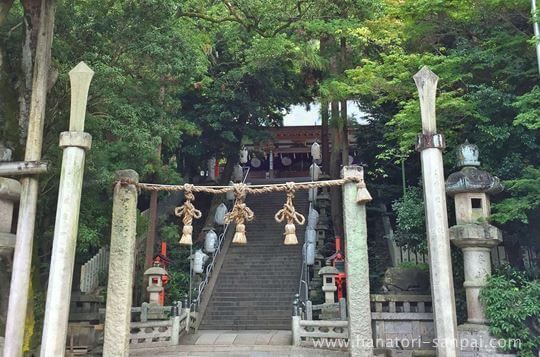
(470, 178)
(327, 270)
(156, 270)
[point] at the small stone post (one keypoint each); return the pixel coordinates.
(75, 142)
(357, 266)
(121, 265)
(175, 330)
(430, 145)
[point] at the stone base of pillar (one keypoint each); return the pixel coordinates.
(476, 341)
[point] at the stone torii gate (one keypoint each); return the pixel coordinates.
(122, 255)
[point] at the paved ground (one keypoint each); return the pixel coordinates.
(238, 338)
(251, 343)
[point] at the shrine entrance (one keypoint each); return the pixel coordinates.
(290, 215)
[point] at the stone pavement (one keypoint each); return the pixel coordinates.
(251, 343)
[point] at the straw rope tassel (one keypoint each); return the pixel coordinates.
(187, 211)
(362, 196)
(288, 212)
(239, 214)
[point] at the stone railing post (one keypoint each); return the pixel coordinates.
(296, 340)
(175, 330)
(187, 311)
(75, 142)
(121, 265)
(430, 144)
(357, 265)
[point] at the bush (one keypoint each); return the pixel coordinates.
(511, 300)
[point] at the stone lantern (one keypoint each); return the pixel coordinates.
(155, 283)
(329, 287)
(10, 191)
(471, 188)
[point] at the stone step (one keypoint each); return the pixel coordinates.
(257, 282)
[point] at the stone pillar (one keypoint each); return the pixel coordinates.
(357, 266)
(75, 142)
(121, 265)
(430, 144)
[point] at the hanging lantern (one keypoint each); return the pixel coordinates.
(313, 218)
(210, 241)
(311, 235)
(199, 258)
(312, 194)
(310, 253)
(230, 194)
(244, 155)
(219, 217)
(315, 171)
(255, 162)
(212, 169)
(238, 173)
(286, 161)
(316, 151)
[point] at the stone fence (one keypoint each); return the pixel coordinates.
(92, 270)
(160, 333)
(399, 321)
(402, 317)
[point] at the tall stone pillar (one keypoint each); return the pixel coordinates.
(121, 265)
(430, 145)
(357, 266)
(74, 142)
(471, 188)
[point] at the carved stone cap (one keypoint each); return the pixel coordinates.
(471, 179)
(467, 155)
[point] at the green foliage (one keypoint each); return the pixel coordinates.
(179, 281)
(511, 301)
(524, 200)
(410, 221)
(421, 266)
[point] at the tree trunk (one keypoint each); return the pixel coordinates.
(335, 192)
(344, 134)
(32, 9)
(325, 143)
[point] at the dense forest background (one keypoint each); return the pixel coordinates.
(178, 82)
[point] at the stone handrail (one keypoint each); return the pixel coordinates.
(304, 332)
(160, 333)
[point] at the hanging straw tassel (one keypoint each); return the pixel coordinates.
(239, 214)
(187, 211)
(240, 234)
(362, 196)
(290, 234)
(288, 212)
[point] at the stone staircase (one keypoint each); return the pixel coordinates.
(257, 282)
